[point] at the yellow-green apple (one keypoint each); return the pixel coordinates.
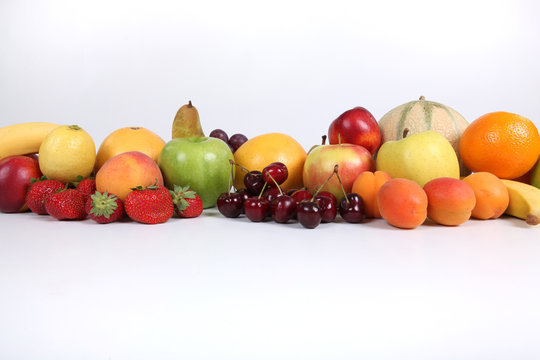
(420, 157)
(534, 178)
(15, 175)
(356, 126)
(320, 162)
(203, 163)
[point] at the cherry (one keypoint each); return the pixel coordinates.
(328, 208)
(300, 195)
(230, 204)
(276, 172)
(256, 208)
(282, 208)
(272, 193)
(245, 194)
(328, 194)
(220, 134)
(351, 208)
(308, 214)
(236, 140)
(254, 182)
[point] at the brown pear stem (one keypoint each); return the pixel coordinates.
(190, 104)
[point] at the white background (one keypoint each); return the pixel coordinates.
(214, 288)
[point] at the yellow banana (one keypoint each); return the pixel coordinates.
(524, 201)
(25, 138)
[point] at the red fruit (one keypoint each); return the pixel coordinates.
(86, 187)
(150, 205)
(39, 191)
(16, 173)
(187, 203)
(356, 126)
(104, 208)
(66, 204)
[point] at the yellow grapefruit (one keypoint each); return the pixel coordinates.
(129, 139)
(260, 151)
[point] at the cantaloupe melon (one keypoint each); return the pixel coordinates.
(421, 115)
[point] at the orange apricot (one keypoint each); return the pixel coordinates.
(450, 201)
(402, 203)
(491, 195)
(367, 185)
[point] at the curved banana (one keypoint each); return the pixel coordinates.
(524, 201)
(25, 138)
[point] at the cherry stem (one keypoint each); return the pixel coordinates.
(244, 169)
(324, 183)
(230, 176)
(262, 190)
(274, 180)
(341, 184)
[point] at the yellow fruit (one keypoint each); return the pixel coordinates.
(25, 138)
(68, 151)
(129, 139)
(260, 151)
(524, 201)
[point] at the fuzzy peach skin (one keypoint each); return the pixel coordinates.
(367, 185)
(402, 203)
(450, 201)
(491, 195)
(125, 171)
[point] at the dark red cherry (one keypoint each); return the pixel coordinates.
(256, 208)
(230, 204)
(282, 208)
(272, 193)
(352, 208)
(254, 182)
(245, 194)
(308, 214)
(329, 195)
(276, 171)
(300, 195)
(328, 208)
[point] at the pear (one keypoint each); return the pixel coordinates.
(187, 122)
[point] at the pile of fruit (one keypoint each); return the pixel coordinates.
(422, 160)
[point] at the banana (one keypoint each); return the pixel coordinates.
(25, 138)
(524, 201)
(187, 122)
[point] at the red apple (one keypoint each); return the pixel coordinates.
(15, 174)
(356, 126)
(351, 160)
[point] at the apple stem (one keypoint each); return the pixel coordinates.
(340, 183)
(323, 140)
(339, 138)
(405, 132)
(274, 180)
(324, 183)
(230, 176)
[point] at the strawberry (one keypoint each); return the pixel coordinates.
(85, 186)
(187, 203)
(38, 192)
(104, 208)
(66, 204)
(150, 205)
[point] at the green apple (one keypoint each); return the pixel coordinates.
(421, 157)
(200, 162)
(535, 175)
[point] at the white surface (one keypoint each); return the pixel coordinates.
(214, 288)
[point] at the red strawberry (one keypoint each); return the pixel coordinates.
(38, 192)
(187, 203)
(151, 205)
(104, 208)
(67, 204)
(86, 187)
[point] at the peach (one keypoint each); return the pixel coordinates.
(403, 203)
(367, 185)
(450, 201)
(491, 195)
(121, 173)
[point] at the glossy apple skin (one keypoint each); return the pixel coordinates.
(356, 126)
(319, 165)
(202, 163)
(15, 175)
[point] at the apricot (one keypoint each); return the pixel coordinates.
(402, 203)
(491, 195)
(125, 171)
(367, 185)
(450, 201)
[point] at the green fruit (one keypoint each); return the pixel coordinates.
(203, 163)
(535, 175)
(420, 157)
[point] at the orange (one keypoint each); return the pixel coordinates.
(504, 144)
(262, 150)
(129, 139)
